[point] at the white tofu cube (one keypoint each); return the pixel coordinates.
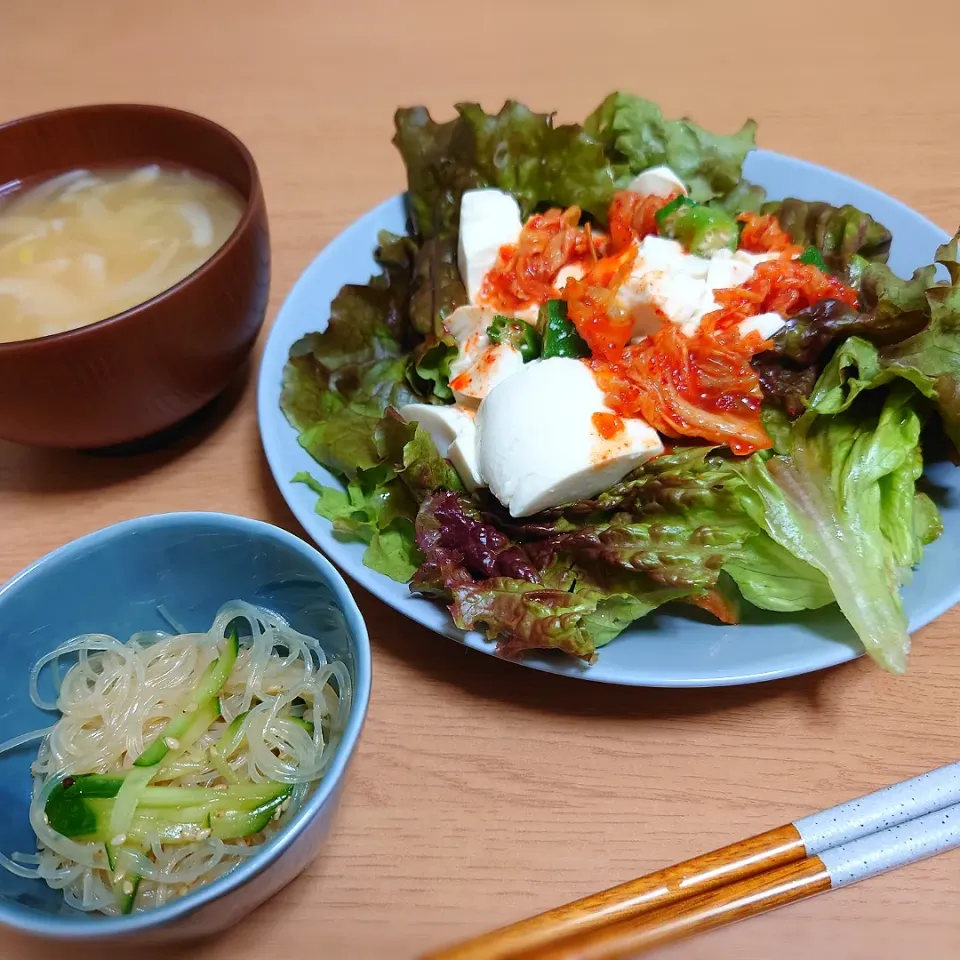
(657, 182)
(666, 285)
(539, 446)
(454, 433)
(480, 365)
(489, 219)
(766, 324)
(444, 423)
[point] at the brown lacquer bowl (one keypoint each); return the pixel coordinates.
(140, 371)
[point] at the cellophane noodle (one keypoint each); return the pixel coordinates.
(116, 698)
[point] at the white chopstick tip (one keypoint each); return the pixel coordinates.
(885, 808)
(894, 847)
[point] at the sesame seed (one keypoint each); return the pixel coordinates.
(183, 891)
(128, 888)
(172, 742)
(119, 840)
(46, 820)
(191, 708)
(214, 752)
(203, 834)
(220, 786)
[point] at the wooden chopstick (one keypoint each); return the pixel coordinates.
(869, 856)
(747, 858)
(776, 849)
(776, 888)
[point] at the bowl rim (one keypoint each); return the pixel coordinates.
(99, 927)
(252, 205)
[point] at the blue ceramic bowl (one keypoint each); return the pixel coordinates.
(113, 581)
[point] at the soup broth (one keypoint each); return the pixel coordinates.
(87, 245)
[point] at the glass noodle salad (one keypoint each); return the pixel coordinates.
(603, 373)
(177, 756)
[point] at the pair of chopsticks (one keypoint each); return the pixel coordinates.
(893, 827)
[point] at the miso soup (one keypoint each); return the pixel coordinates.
(90, 244)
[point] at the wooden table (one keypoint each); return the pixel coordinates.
(483, 791)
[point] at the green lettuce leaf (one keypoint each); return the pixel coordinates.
(684, 551)
(933, 354)
(745, 197)
(683, 521)
(543, 164)
(516, 150)
(380, 503)
(441, 163)
(525, 616)
(574, 174)
(617, 611)
(523, 153)
(337, 412)
(828, 500)
(377, 509)
(839, 233)
(855, 367)
(528, 616)
(393, 551)
(896, 317)
(437, 292)
(428, 369)
(380, 349)
(637, 136)
(687, 477)
(437, 287)
(338, 382)
(887, 297)
(409, 449)
(772, 578)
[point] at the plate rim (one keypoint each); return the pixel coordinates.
(319, 530)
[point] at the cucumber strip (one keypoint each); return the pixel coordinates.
(233, 738)
(170, 831)
(203, 719)
(231, 824)
(210, 685)
(229, 743)
(89, 818)
(181, 767)
(155, 798)
(125, 803)
(128, 894)
(124, 885)
(229, 819)
(300, 722)
(180, 733)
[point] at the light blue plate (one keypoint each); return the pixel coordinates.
(665, 649)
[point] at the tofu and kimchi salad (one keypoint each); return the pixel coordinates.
(603, 372)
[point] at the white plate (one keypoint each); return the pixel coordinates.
(666, 649)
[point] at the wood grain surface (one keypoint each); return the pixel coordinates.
(484, 792)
